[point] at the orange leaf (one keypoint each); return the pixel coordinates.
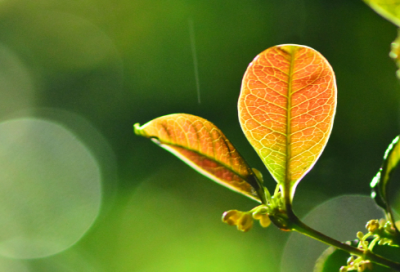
(201, 145)
(286, 109)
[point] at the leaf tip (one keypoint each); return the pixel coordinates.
(288, 47)
(137, 129)
(291, 48)
(258, 174)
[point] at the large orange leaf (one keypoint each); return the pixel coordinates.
(286, 109)
(204, 147)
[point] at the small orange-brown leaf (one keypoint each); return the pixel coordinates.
(286, 109)
(204, 147)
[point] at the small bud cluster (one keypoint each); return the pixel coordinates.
(356, 264)
(244, 220)
(382, 230)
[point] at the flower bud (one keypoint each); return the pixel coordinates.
(231, 217)
(388, 227)
(263, 218)
(245, 222)
(372, 225)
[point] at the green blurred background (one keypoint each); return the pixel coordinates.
(90, 69)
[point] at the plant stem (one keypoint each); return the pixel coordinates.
(302, 228)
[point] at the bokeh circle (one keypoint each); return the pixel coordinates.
(50, 188)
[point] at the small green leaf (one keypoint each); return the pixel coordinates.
(204, 147)
(379, 183)
(388, 9)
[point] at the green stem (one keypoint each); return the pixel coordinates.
(302, 228)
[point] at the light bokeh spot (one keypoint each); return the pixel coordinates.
(50, 188)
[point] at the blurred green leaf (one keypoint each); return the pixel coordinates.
(204, 147)
(390, 252)
(389, 9)
(331, 259)
(379, 183)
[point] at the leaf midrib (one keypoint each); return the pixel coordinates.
(288, 125)
(203, 155)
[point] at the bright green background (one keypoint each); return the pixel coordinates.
(118, 62)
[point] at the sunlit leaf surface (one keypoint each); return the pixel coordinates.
(200, 144)
(381, 181)
(286, 109)
(389, 9)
